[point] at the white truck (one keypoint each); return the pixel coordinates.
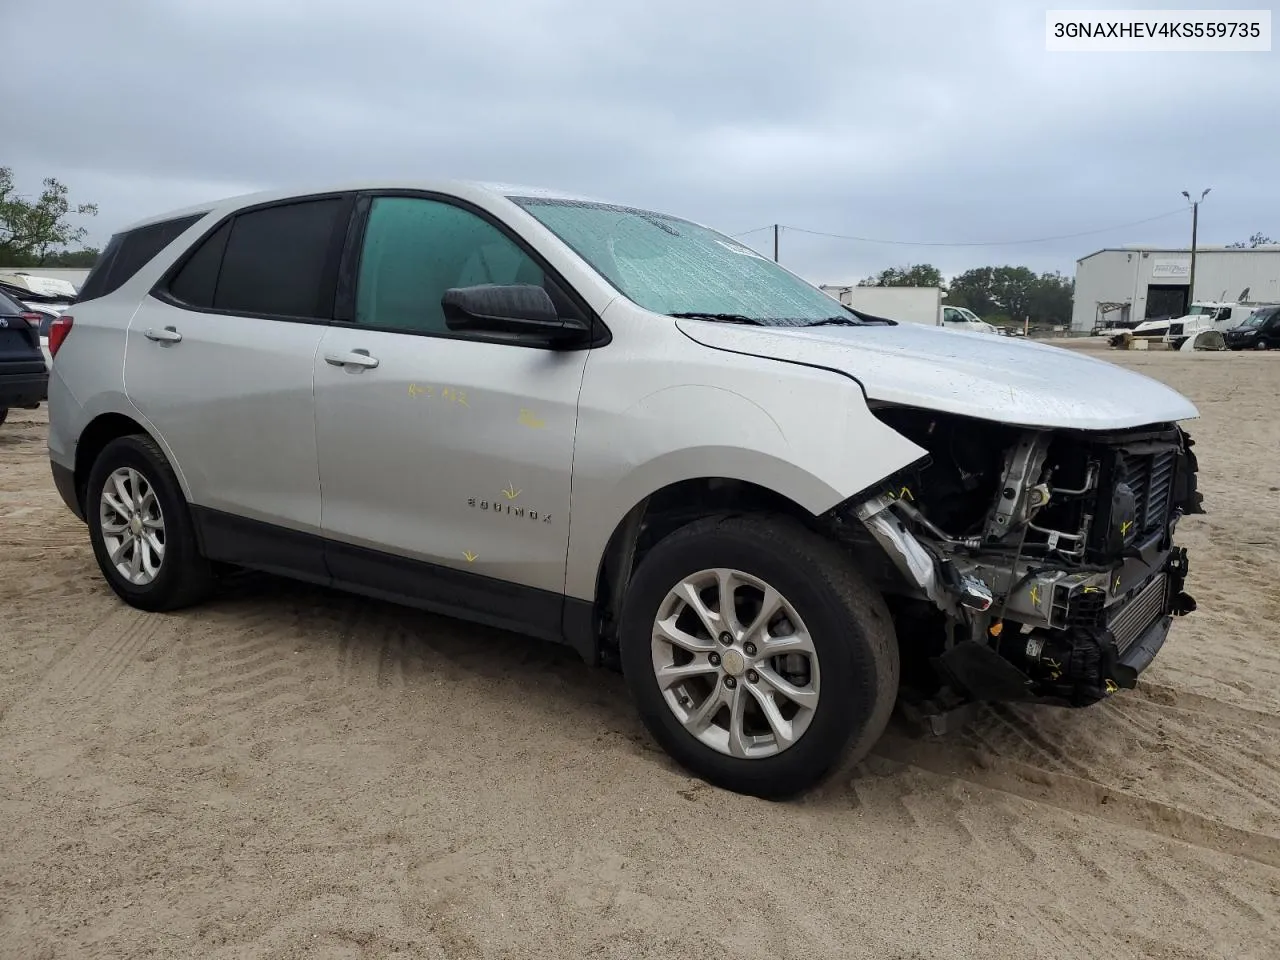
(909, 305)
(1204, 315)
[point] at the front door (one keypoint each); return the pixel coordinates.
(445, 460)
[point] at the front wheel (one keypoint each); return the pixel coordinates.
(141, 529)
(1262, 344)
(757, 655)
(4, 414)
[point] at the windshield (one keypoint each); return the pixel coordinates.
(1257, 318)
(1199, 308)
(672, 266)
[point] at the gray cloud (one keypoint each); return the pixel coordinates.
(911, 122)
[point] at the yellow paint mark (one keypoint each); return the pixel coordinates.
(1117, 586)
(1111, 686)
(468, 556)
(905, 494)
(1035, 595)
(530, 419)
(1124, 527)
(417, 391)
(511, 492)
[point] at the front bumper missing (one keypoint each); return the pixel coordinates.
(1081, 664)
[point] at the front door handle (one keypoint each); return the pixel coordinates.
(167, 335)
(356, 358)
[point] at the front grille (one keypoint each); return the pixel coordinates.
(1150, 477)
(1133, 618)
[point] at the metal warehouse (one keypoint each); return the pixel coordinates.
(1132, 284)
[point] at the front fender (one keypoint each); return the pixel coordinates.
(806, 435)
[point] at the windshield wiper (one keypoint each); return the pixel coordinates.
(722, 317)
(837, 322)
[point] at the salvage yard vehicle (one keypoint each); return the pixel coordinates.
(626, 432)
(1261, 331)
(24, 377)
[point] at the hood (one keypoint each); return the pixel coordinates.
(1004, 379)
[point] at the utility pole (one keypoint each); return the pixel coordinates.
(1195, 223)
(775, 243)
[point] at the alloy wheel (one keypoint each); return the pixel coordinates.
(735, 663)
(132, 526)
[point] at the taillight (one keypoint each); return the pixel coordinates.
(32, 318)
(58, 332)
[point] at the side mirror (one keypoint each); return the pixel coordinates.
(514, 308)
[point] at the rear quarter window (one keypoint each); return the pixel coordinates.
(127, 253)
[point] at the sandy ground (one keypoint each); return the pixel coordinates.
(289, 772)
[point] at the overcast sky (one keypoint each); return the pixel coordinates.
(909, 121)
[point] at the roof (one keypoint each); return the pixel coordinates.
(1200, 248)
(460, 188)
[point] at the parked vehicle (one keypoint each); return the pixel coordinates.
(1261, 331)
(904, 304)
(960, 318)
(24, 377)
(780, 507)
(1208, 315)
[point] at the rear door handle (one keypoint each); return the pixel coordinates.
(356, 358)
(167, 335)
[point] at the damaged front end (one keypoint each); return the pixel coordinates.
(1022, 564)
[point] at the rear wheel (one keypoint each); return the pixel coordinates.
(1262, 344)
(757, 655)
(141, 529)
(4, 414)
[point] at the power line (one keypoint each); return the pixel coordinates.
(767, 226)
(968, 243)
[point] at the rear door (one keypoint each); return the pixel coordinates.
(220, 360)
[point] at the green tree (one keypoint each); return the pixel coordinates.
(1257, 240)
(32, 228)
(1013, 293)
(916, 275)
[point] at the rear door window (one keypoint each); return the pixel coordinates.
(277, 260)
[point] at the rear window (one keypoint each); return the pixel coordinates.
(127, 253)
(8, 305)
(272, 261)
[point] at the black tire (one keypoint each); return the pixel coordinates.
(184, 577)
(1262, 344)
(852, 633)
(4, 414)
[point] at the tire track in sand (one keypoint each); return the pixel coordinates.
(1082, 796)
(89, 669)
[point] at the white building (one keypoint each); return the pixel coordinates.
(1139, 283)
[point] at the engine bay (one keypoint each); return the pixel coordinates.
(1029, 564)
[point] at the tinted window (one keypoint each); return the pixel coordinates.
(415, 250)
(9, 305)
(127, 253)
(275, 260)
(195, 281)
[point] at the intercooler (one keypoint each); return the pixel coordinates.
(1132, 619)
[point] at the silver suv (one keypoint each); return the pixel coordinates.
(626, 432)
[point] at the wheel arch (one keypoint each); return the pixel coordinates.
(660, 513)
(99, 432)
